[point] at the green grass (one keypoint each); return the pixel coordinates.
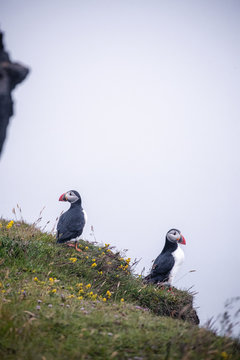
(55, 305)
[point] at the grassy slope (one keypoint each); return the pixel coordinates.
(56, 303)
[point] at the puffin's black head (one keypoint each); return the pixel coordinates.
(175, 236)
(71, 196)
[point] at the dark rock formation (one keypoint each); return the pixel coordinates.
(11, 74)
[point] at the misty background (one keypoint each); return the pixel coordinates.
(135, 104)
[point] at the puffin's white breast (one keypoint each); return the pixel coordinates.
(178, 255)
(85, 216)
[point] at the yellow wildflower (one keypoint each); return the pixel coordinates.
(224, 355)
(35, 279)
(1, 225)
(100, 272)
(93, 265)
(128, 260)
(103, 253)
(109, 294)
(91, 293)
(104, 299)
(86, 247)
(3, 291)
(1, 285)
(93, 260)
(99, 249)
(71, 296)
(108, 250)
(80, 297)
(88, 286)
(73, 260)
(79, 285)
(51, 280)
(107, 245)
(122, 300)
(121, 259)
(54, 290)
(86, 257)
(94, 297)
(81, 291)
(10, 224)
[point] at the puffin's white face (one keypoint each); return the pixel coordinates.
(175, 235)
(70, 196)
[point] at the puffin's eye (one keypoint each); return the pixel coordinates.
(70, 194)
(174, 233)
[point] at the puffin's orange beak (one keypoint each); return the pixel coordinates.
(63, 197)
(182, 240)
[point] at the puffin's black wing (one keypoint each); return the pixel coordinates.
(161, 268)
(70, 225)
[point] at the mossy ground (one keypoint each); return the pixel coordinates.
(56, 303)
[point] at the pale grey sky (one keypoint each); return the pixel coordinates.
(135, 104)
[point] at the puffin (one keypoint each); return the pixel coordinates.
(166, 265)
(71, 223)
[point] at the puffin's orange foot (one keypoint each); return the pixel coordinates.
(71, 245)
(77, 248)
